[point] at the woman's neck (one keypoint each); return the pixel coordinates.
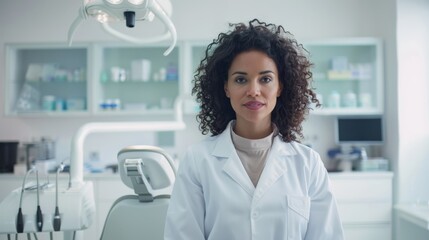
(252, 130)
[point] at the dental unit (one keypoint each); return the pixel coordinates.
(75, 192)
(38, 207)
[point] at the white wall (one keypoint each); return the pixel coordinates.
(48, 21)
(413, 100)
(412, 166)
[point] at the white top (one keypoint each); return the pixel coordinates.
(213, 198)
(252, 153)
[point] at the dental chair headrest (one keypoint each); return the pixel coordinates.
(149, 170)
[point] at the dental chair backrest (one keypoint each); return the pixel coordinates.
(151, 172)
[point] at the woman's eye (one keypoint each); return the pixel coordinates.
(240, 80)
(266, 79)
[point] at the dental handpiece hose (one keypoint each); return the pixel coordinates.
(19, 217)
(57, 217)
(39, 216)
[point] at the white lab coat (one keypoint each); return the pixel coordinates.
(213, 197)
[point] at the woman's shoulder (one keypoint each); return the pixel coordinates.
(297, 146)
(206, 143)
(304, 151)
(302, 147)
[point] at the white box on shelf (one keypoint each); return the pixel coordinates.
(140, 70)
(75, 104)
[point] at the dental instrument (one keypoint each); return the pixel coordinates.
(39, 216)
(57, 217)
(19, 217)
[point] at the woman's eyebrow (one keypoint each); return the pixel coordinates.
(238, 72)
(266, 71)
(244, 73)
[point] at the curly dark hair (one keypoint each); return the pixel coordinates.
(292, 105)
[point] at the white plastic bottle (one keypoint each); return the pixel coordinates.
(334, 99)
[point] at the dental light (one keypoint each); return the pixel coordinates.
(106, 11)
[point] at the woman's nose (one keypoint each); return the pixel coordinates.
(254, 89)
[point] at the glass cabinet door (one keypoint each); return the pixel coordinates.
(46, 80)
(348, 76)
(136, 80)
(194, 52)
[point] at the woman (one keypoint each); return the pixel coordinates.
(252, 179)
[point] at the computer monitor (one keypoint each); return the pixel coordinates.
(359, 131)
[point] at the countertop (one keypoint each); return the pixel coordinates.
(414, 213)
(110, 175)
(88, 176)
(360, 175)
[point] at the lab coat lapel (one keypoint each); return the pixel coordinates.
(275, 166)
(233, 167)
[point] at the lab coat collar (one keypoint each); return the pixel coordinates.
(275, 166)
(224, 149)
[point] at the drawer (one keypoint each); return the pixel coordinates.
(368, 232)
(356, 189)
(365, 212)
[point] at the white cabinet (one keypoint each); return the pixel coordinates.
(135, 78)
(124, 79)
(193, 53)
(91, 79)
(348, 75)
(46, 79)
(365, 204)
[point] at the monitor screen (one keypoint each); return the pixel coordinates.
(366, 130)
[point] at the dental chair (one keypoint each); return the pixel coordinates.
(151, 172)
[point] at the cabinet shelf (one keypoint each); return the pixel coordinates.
(348, 76)
(42, 78)
(135, 112)
(345, 111)
(54, 82)
(129, 76)
(341, 80)
(167, 82)
(37, 114)
(98, 67)
(362, 76)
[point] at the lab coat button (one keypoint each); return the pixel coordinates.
(255, 215)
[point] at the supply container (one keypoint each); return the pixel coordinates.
(8, 156)
(334, 100)
(140, 70)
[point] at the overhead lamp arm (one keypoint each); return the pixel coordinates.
(151, 5)
(79, 19)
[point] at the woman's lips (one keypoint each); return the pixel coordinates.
(253, 105)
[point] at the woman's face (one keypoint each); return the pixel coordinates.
(253, 87)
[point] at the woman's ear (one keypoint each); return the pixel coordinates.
(225, 87)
